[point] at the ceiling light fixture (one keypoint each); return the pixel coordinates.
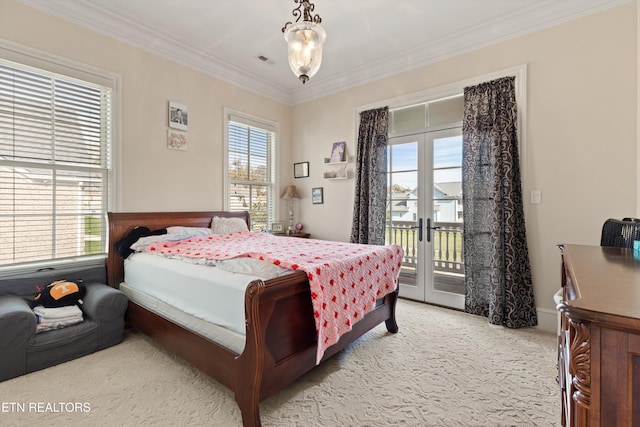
(305, 39)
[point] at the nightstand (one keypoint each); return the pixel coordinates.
(296, 234)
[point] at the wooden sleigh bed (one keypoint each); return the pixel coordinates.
(281, 339)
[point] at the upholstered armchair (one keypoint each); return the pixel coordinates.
(24, 350)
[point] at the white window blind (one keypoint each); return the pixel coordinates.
(251, 175)
(55, 139)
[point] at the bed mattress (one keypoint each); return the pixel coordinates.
(208, 300)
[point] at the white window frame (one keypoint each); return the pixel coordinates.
(231, 115)
(29, 57)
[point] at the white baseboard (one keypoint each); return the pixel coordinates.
(547, 320)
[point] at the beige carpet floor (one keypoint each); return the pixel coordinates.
(444, 368)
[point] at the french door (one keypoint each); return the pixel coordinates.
(424, 214)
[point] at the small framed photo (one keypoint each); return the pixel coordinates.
(176, 140)
(317, 195)
(277, 227)
(178, 116)
(337, 152)
(301, 170)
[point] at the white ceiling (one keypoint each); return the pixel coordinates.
(366, 39)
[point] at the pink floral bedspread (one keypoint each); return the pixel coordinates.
(345, 278)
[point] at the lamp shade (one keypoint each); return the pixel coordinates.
(305, 41)
(290, 193)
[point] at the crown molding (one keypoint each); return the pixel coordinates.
(547, 13)
(104, 22)
(543, 14)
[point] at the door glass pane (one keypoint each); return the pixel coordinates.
(447, 152)
(403, 157)
(448, 266)
(402, 204)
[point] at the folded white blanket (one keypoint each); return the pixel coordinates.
(58, 319)
(57, 324)
(58, 312)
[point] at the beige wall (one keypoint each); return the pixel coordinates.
(152, 176)
(581, 141)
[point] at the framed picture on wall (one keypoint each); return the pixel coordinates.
(178, 116)
(317, 195)
(176, 140)
(301, 170)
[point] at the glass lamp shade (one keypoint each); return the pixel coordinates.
(305, 41)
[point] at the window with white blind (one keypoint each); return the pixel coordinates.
(250, 169)
(55, 146)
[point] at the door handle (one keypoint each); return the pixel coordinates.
(419, 228)
(429, 228)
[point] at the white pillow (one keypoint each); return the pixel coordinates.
(189, 231)
(227, 225)
(143, 242)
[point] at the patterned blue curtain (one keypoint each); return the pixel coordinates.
(371, 178)
(497, 272)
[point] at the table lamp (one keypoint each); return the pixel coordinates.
(290, 193)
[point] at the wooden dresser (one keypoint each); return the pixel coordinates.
(599, 337)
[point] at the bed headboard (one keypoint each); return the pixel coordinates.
(121, 224)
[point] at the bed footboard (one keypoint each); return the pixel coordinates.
(281, 335)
